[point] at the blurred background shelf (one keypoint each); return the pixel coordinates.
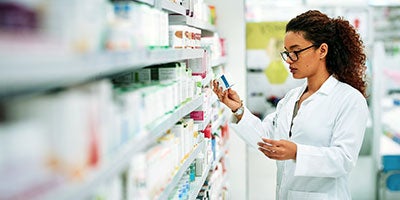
(171, 7)
(207, 28)
(28, 75)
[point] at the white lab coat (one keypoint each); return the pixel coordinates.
(328, 130)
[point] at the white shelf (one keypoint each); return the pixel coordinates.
(214, 98)
(171, 7)
(150, 2)
(121, 160)
(203, 124)
(207, 28)
(163, 124)
(175, 180)
(198, 183)
(217, 159)
(224, 180)
(219, 61)
(220, 121)
(388, 146)
(30, 75)
(384, 3)
(206, 80)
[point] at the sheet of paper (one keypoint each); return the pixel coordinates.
(250, 137)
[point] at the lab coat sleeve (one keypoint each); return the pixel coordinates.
(338, 159)
(250, 128)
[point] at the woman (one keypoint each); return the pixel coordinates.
(317, 130)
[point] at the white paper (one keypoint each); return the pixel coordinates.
(250, 137)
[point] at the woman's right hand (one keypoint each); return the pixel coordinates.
(229, 97)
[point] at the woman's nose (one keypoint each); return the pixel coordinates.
(289, 61)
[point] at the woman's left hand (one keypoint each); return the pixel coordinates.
(278, 149)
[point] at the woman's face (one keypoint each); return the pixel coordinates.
(305, 56)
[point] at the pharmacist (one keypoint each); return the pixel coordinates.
(317, 130)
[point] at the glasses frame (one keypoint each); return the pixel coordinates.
(285, 54)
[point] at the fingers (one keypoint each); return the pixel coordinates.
(267, 147)
(215, 86)
(271, 142)
(272, 154)
(217, 90)
(221, 94)
(270, 148)
(231, 92)
(278, 149)
(229, 97)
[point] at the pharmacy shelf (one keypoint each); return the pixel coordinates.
(119, 161)
(213, 98)
(221, 153)
(221, 120)
(206, 80)
(34, 71)
(150, 2)
(221, 186)
(34, 74)
(207, 28)
(201, 24)
(173, 8)
(203, 124)
(388, 146)
(161, 125)
(198, 183)
(219, 61)
(106, 171)
(391, 3)
(175, 180)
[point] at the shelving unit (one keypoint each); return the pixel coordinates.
(71, 70)
(385, 62)
(34, 75)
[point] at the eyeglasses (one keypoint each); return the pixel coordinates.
(294, 55)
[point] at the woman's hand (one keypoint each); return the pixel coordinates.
(278, 149)
(229, 97)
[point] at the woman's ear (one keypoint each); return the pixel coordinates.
(323, 50)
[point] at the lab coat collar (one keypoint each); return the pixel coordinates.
(325, 88)
(328, 85)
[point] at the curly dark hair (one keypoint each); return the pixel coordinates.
(346, 58)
